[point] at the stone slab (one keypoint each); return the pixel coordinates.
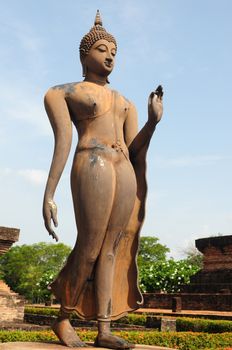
(56, 346)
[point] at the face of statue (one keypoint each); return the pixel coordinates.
(100, 59)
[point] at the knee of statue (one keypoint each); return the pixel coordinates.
(110, 257)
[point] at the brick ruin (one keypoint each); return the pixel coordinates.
(11, 304)
(216, 274)
(211, 287)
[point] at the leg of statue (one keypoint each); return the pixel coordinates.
(65, 332)
(92, 209)
(104, 275)
(103, 283)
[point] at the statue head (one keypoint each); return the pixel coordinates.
(96, 34)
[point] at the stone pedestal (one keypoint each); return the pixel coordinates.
(11, 304)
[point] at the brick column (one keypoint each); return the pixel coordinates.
(11, 304)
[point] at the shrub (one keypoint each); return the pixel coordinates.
(186, 324)
(182, 340)
(133, 319)
(183, 324)
(165, 275)
(46, 311)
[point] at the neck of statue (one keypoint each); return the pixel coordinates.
(95, 78)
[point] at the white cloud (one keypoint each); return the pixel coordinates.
(20, 102)
(20, 88)
(5, 172)
(34, 176)
(23, 35)
(190, 161)
(29, 42)
(229, 216)
(132, 14)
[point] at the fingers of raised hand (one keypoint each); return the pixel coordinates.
(159, 92)
(152, 98)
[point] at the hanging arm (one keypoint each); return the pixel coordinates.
(58, 114)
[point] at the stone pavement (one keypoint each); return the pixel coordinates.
(56, 346)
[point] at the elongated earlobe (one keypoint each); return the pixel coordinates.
(84, 70)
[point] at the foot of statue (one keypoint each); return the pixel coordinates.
(66, 334)
(108, 340)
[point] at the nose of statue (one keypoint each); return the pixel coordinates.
(109, 59)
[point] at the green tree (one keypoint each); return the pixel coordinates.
(23, 267)
(150, 250)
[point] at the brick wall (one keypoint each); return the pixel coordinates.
(216, 302)
(11, 307)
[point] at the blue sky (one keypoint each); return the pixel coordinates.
(184, 45)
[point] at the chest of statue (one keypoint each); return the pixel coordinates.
(90, 101)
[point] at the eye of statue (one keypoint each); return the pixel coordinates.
(113, 53)
(101, 48)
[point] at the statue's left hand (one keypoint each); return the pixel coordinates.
(50, 214)
(155, 105)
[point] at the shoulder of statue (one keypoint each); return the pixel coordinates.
(67, 88)
(123, 98)
(61, 91)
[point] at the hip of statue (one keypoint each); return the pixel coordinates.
(102, 160)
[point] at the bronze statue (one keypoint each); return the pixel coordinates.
(99, 280)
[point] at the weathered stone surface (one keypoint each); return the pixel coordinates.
(163, 324)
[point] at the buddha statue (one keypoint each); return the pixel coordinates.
(99, 279)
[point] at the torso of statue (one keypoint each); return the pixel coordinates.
(98, 114)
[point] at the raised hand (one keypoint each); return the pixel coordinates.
(155, 105)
